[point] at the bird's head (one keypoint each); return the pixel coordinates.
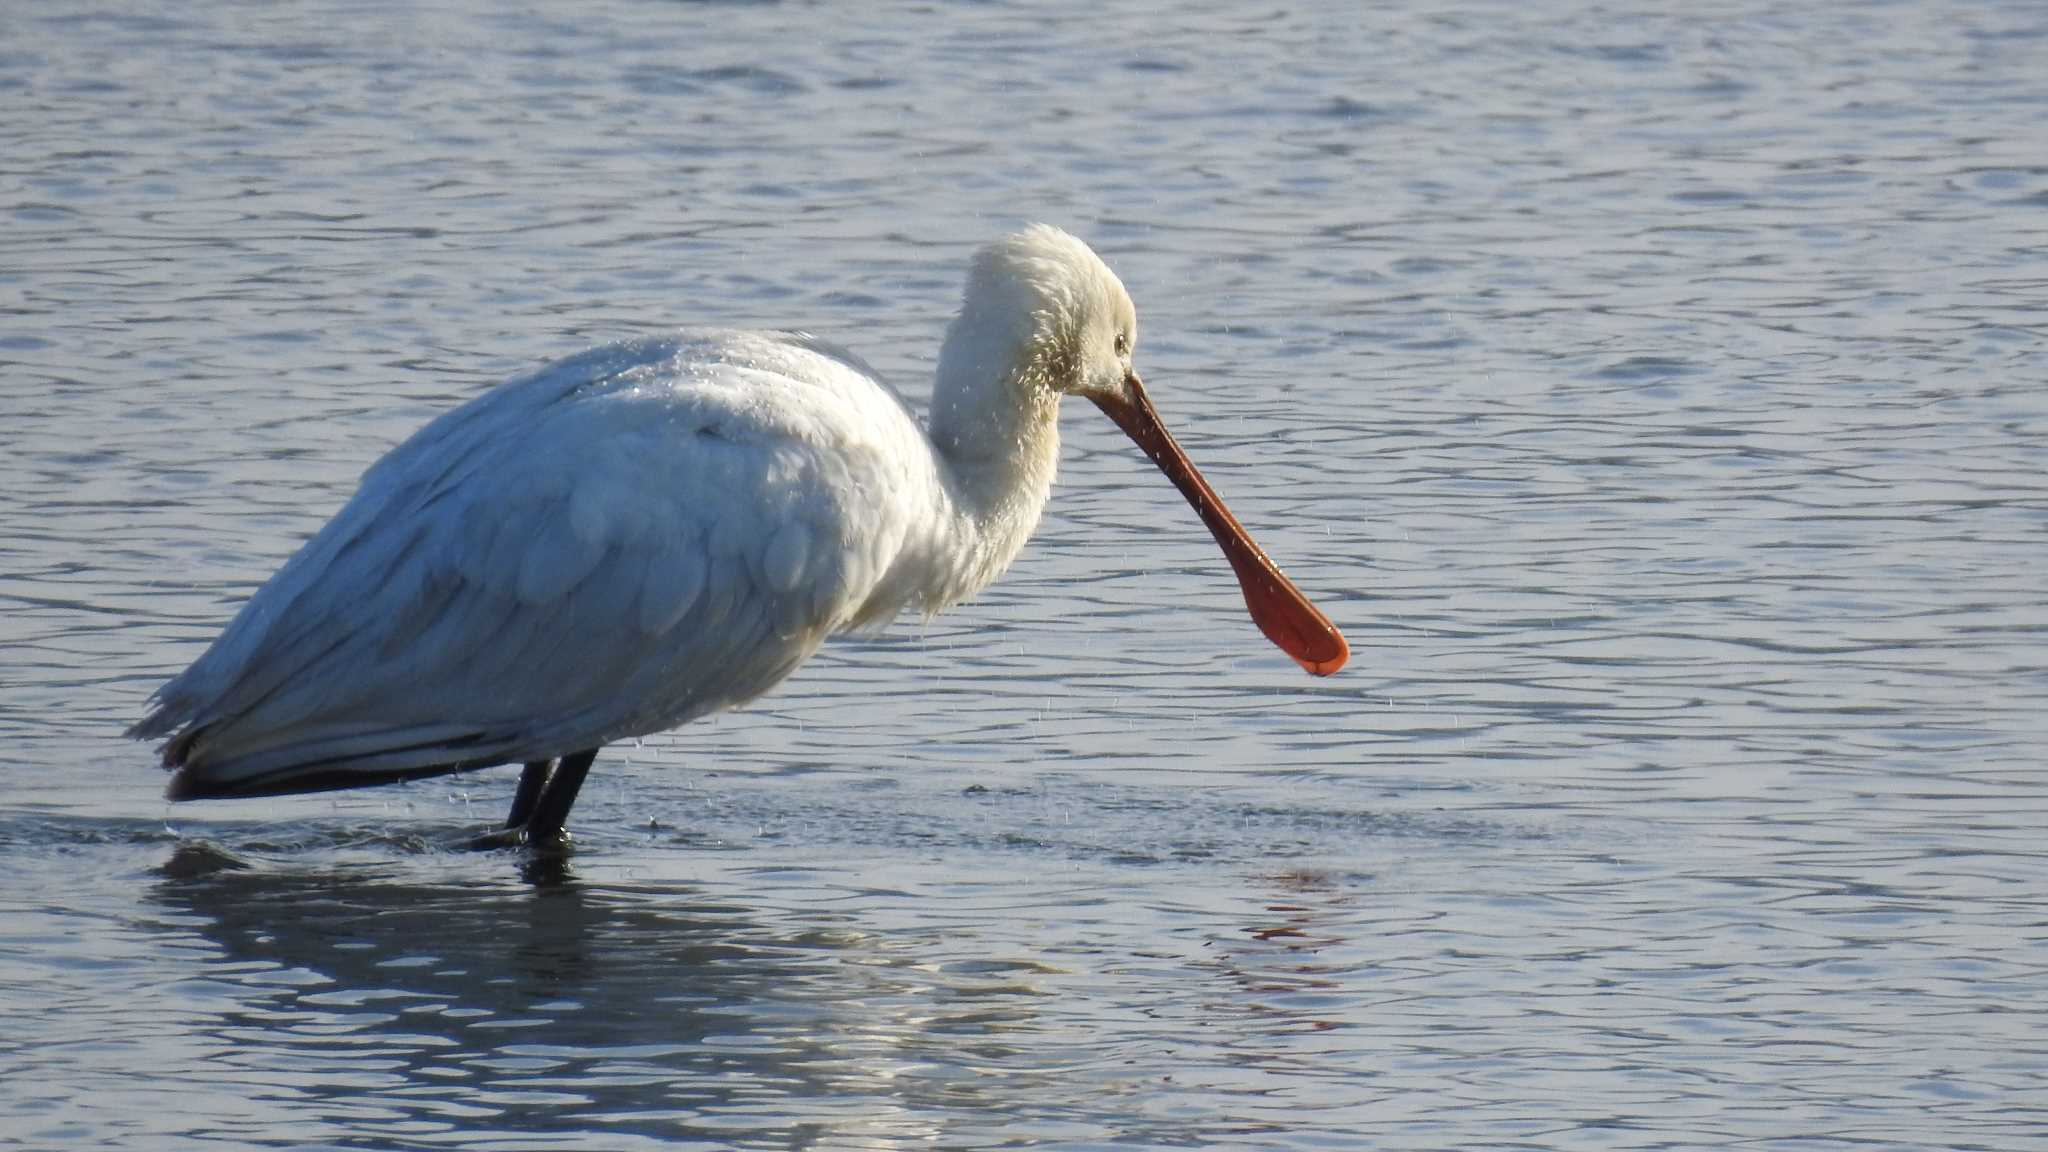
(1047, 317)
(1044, 306)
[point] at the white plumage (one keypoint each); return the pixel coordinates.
(654, 530)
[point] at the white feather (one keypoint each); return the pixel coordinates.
(636, 536)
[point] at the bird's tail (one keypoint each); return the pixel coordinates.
(214, 762)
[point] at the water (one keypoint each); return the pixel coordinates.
(1656, 398)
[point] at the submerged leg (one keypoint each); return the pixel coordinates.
(551, 811)
(530, 783)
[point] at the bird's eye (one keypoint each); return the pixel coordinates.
(1123, 343)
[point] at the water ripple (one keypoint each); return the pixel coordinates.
(1654, 396)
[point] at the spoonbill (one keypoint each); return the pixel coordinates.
(657, 529)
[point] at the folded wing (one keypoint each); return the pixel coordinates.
(607, 548)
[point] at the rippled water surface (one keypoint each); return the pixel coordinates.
(1659, 400)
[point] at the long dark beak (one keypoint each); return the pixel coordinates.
(1276, 605)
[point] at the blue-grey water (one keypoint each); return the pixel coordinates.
(1657, 394)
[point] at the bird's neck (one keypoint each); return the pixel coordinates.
(995, 428)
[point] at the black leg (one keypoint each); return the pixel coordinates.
(551, 811)
(530, 783)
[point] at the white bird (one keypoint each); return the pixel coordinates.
(654, 530)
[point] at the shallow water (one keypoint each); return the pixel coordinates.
(1657, 400)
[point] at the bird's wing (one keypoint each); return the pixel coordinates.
(604, 549)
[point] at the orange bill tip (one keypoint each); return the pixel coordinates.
(1280, 610)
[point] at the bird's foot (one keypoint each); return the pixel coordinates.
(554, 846)
(543, 860)
(496, 840)
(500, 839)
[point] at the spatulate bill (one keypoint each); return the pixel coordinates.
(1280, 610)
